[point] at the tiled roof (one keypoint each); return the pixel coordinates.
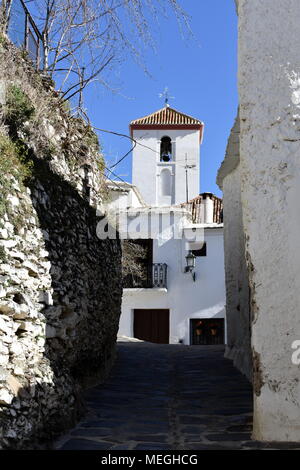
(194, 207)
(167, 116)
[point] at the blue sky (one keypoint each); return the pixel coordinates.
(201, 74)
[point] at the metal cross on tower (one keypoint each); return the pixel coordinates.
(166, 96)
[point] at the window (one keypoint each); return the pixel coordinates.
(137, 261)
(166, 183)
(165, 149)
(207, 331)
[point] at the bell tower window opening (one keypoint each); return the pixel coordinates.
(165, 149)
(166, 183)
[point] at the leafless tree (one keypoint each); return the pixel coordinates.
(84, 39)
(134, 257)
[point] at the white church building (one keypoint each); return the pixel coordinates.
(182, 298)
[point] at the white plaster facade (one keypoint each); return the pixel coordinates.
(269, 178)
(147, 168)
(204, 298)
(238, 321)
(124, 196)
(185, 298)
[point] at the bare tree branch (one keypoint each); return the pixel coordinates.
(95, 35)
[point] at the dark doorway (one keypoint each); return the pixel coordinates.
(207, 331)
(151, 325)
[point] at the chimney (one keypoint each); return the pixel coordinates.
(208, 204)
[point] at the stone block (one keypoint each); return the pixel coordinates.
(13, 200)
(8, 243)
(18, 255)
(2, 292)
(3, 233)
(3, 349)
(5, 324)
(32, 268)
(4, 359)
(16, 348)
(5, 397)
(46, 297)
(3, 374)
(14, 384)
(19, 371)
(50, 332)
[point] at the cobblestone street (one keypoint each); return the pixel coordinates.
(167, 397)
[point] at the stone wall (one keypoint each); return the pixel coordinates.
(269, 91)
(60, 286)
(238, 347)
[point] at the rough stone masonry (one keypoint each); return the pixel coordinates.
(60, 286)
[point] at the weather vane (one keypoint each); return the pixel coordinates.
(166, 96)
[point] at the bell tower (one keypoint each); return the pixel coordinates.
(166, 159)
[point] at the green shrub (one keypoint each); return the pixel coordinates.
(101, 163)
(13, 159)
(2, 255)
(3, 39)
(13, 162)
(18, 107)
(90, 138)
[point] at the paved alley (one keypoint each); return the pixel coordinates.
(166, 397)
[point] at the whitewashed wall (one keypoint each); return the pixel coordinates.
(269, 90)
(146, 166)
(204, 298)
(236, 273)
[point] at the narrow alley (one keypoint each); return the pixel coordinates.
(167, 397)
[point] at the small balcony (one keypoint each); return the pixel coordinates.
(155, 278)
(159, 275)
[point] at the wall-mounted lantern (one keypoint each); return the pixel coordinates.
(190, 264)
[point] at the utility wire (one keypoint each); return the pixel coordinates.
(126, 136)
(117, 176)
(135, 143)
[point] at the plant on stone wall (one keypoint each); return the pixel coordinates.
(13, 159)
(91, 138)
(87, 148)
(18, 108)
(40, 125)
(13, 166)
(2, 39)
(2, 255)
(100, 163)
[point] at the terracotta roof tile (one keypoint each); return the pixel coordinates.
(194, 207)
(167, 116)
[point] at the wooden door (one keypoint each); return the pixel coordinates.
(152, 325)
